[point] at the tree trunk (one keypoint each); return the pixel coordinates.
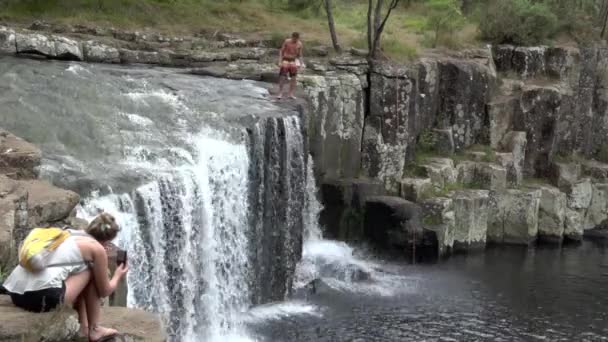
(332, 26)
(370, 29)
(379, 25)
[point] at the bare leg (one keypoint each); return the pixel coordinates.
(74, 296)
(81, 306)
(93, 306)
(281, 86)
(292, 87)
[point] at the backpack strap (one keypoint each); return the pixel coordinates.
(88, 263)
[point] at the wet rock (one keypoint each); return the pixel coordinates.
(470, 219)
(143, 57)
(343, 206)
(335, 126)
(391, 222)
(414, 189)
(99, 53)
(13, 212)
(47, 203)
(513, 217)
(564, 175)
(482, 175)
(35, 43)
(515, 143)
(17, 324)
(441, 171)
(7, 41)
(18, 158)
(579, 194)
(551, 214)
(438, 216)
(444, 141)
(597, 213)
(67, 49)
(574, 224)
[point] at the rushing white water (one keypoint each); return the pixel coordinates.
(335, 262)
(186, 234)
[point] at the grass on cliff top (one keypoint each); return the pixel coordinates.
(404, 35)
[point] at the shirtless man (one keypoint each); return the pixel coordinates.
(290, 52)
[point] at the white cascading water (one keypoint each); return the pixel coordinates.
(186, 236)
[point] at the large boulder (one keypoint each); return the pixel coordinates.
(516, 143)
(18, 158)
(579, 194)
(597, 213)
(501, 112)
(48, 204)
(551, 214)
(13, 212)
(438, 216)
(99, 53)
(392, 222)
(343, 206)
(441, 171)
(138, 57)
(67, 49)
(471, 209)
(514, 171)
(35, 43)
(335, 123)
(595, 170)
(7, 41)
(574, 224)
(513, 217)
(480, 175)
(564, 174)
(415, 189)
(19, 325)
(539, 115)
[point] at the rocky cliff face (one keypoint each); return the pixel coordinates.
(436, 131)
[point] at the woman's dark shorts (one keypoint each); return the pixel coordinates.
(41, 300)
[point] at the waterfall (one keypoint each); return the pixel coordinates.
(209, 239)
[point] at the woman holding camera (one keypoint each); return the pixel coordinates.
(77, 275)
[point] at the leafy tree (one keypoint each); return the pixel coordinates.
(376, 21)
(521, 22)
(444, 17)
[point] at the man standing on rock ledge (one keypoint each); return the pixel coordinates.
(290, 59)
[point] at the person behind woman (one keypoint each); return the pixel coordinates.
(79, 279)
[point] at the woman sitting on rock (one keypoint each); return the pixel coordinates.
(77, 276)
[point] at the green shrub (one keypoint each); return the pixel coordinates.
(520, 22)
(444, 17)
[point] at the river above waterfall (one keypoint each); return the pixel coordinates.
(506, 294)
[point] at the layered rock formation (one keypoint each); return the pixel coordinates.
(25, 201)
(460, 134)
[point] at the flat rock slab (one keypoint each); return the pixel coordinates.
(136, 325)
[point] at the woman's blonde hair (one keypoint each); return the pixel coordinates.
(103, 227)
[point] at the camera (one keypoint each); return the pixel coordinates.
(121, 257)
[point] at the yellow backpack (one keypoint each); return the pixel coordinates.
(38, 245)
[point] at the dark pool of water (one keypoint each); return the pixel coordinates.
(505, 294)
